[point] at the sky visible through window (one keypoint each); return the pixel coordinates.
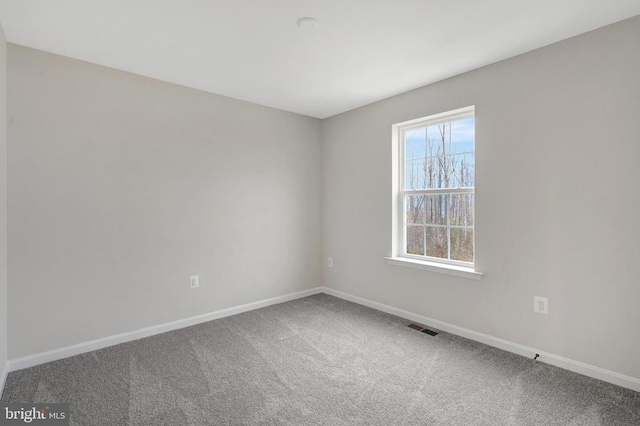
(448, 145)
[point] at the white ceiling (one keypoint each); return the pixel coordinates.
(362, 51)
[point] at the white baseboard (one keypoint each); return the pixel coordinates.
(80, 348)
(556, 360)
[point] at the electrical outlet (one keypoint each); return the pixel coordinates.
(194, 281)
(330, 262)
(540, 305)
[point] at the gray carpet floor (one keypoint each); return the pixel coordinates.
(317, 361)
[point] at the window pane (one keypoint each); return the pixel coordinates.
(449, 156)
(415, 208)
(451, 138)
(462, 244)
(435, 172)
(439, 172)
(461, 169)
(415, 143)
(414, 174)
(446, 171)
(415, 240)
(436, 209)
(463, 136)
(438, 139)
(437, 242)
(461, 209)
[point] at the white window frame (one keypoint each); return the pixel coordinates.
(399, 256)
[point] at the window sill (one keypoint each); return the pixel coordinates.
(458, 271)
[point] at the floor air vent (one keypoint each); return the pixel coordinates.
(421, 329)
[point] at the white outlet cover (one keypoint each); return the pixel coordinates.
(330, 262)
(540, 305)
(194, 281)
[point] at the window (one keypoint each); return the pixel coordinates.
(435, 188)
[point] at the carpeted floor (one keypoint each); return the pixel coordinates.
(317, 361)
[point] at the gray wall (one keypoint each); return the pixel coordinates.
(557, 209)
(122, 186)
(3, 200)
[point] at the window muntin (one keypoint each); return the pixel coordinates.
(437, 187)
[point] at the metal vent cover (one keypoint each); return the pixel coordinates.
(422, 329)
